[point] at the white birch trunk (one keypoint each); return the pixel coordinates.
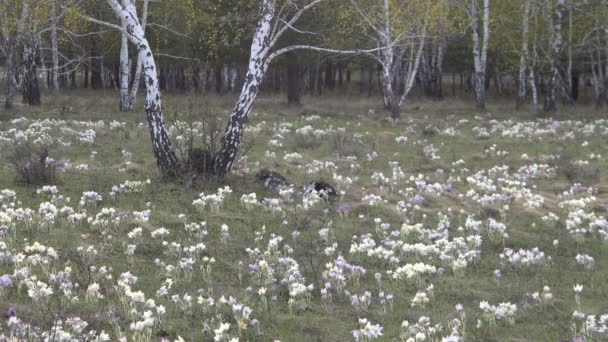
(161, 144)
(389, 63)
(556, 49)
(258, 64)
(532, 77)
(138, 68)
(9, 84)
(523, 62)
(480, 51)
(11, 43)
(124, 60)
(30, 89)
(410, 77)
(54, 49)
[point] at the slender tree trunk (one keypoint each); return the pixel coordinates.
(389, 94)
(9, 83)
(258, 64)
(86, 76)
(532, 77)
(438, 67)
(54, 48)
(370, 81)
(9, 50)
(73, 78)
(569, 73)
(412, 71)
(606, 60)
(556, 48)
(138, 68)
(389, 65)
(293, 79)
(124, 64)
(31, 89)
(480, 52)
(596, 82)
(523, 62)
(329, 76)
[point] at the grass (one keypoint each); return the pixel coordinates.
(549, 322)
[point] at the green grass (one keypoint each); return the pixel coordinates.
(550, 322)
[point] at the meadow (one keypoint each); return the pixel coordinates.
(449, 225)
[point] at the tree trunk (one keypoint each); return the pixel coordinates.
(480, 52)
(161, 144)
(86, 76)
(9, 83)
(389, 95)
(412, 70)
(73, 78)
(124, 65)
(293, 79)
(258, 64)
(31, 89)
(370, 81)
(556, 48)
(54, 48)
(438, 68)
(329, 76)
(532, 78)
(389, 64)
(319, 80)
(138, 68)
(574, 86)
(96, 72)
(523, 62)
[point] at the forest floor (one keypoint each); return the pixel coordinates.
(437, 215)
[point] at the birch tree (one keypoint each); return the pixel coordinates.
(54, 46)
(274, 22)
(480, 50)
(128, 96)
(161, 144)
(524, 60)
(124, 66)
(398, 28)
(554, 56)
(139, 66)
(13, 16)
(31, 88)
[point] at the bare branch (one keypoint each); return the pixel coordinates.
(292, 21)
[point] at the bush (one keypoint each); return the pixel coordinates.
(33, 164)
(197, 140)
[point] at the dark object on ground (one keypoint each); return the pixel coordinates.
(487, 213)
(200, 161)
(271, 179)
(323, 188)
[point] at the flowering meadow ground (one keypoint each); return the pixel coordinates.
(449, 227)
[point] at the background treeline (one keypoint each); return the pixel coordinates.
(534, 48)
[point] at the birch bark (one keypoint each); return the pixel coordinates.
(161, 144)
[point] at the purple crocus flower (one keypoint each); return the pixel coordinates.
(417, 200)
(6, 281)
(343, 208)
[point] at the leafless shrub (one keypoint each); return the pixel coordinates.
(33, 164)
